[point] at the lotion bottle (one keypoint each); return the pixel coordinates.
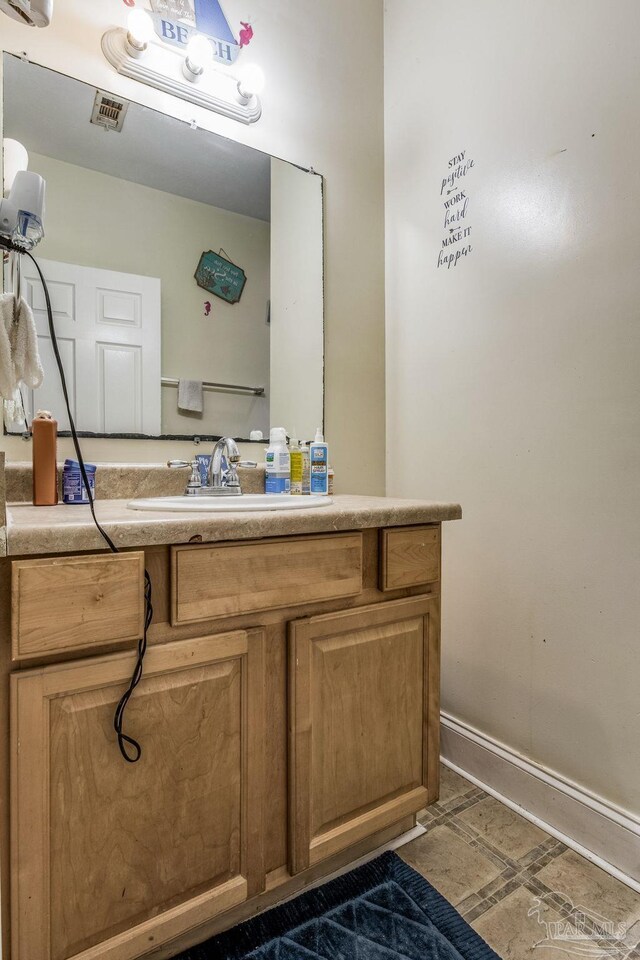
(319, 456)
(295, 453)
(306, 469)
(44, 431)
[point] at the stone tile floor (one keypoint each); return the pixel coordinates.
(526, 893)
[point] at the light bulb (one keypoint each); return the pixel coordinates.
(251, 81)
(199, 52)
(139, 31)
(15, 158)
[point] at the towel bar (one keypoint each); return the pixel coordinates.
(208, 385)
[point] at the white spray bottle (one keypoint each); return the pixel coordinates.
(319, 457)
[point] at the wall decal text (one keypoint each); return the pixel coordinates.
(456, 242)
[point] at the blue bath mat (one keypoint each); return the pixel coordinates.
(383, 910)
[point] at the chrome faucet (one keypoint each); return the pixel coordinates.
(221, 482)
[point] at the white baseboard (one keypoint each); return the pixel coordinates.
(600, 831)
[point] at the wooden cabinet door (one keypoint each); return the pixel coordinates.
(364, 716)
(111, 858)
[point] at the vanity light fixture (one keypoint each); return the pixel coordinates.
(250, 83)
(35, 13)
(138, 54)
(198, 58)
(139, 33)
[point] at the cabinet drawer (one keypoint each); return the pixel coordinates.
(75, 603)
(223, 580)
(409, 556)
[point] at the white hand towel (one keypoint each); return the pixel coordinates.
(19, 357)
(7, 374)
(25, 352)
(15, 414)
(190, 396)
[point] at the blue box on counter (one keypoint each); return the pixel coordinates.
(203, 459)
(73, 489)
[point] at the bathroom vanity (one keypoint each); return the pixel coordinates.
(288, 713)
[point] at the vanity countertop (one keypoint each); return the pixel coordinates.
(65, 529)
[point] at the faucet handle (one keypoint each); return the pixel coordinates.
(231, 478)
(195, 483)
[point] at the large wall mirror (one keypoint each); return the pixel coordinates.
(172, 254)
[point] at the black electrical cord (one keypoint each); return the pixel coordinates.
(118, 717)
(124, 741)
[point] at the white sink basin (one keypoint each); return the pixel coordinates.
(248, 501)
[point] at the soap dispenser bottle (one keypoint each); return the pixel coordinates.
(319, 457)
(277, 463)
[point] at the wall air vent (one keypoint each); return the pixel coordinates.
(109, 111)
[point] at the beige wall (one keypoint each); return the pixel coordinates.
(513, 377)
(231, 345)
(297, 368)
(322, 108)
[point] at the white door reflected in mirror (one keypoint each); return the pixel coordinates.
(108, 328)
